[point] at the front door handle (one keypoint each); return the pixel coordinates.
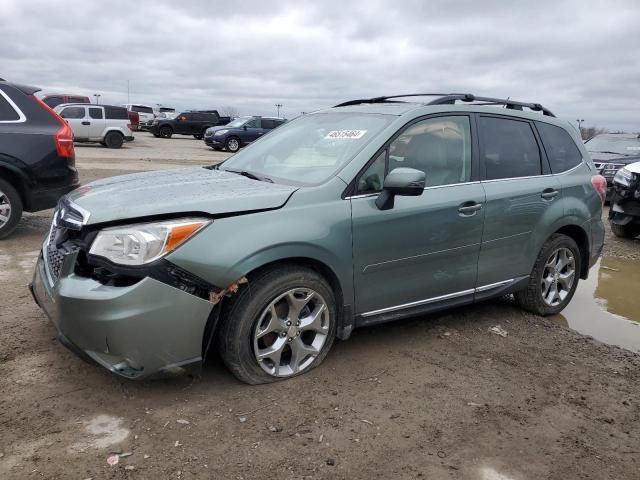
(549, 193)
(469, 209)
(86, 123)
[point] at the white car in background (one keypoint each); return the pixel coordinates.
(103, 124)
(145, 112)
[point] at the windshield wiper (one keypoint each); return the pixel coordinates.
(251, 175)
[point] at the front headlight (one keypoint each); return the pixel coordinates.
(221, 132)
(623, 177)
(143, 243)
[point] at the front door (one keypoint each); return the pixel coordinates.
(424, 250)
(522, 199)
(253, 131)
(75, 117)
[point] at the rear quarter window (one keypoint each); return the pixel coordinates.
(116, 113)
(7, 113)
(562, 152)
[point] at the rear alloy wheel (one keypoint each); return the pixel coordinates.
(166, 132)
(113, 140)
(280, 325)
(554, 278)
(630, 230)
(198, 136)
(233, 144)
(10, 208)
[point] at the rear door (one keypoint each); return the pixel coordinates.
(75, 116)
(97, 123)
(522, 199)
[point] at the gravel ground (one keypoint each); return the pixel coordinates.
(432, 397)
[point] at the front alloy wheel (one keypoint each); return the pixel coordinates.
(279, 325)
(291, 332)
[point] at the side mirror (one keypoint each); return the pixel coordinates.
(244, 127)
(400, 181)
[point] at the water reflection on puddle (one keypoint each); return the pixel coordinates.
(607, 305)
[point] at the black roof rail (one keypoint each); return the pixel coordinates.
(452, 98)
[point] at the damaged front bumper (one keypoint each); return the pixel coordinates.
(135, 331)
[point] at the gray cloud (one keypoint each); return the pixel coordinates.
(580, 59)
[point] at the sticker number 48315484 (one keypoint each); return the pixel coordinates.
(348, 134)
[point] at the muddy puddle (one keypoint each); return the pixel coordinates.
(607, 305)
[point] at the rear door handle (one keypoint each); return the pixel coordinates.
(469, 209)
(86, 123)
(549, 193)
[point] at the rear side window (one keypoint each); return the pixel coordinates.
(7, 113)
(78, 100)
(141, 109)
(95, 113)
(53, 101)
(72, 112)
(561, 150)
(509, 148)
(116, 113)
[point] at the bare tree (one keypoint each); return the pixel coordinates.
(590, 132)
(229, 111)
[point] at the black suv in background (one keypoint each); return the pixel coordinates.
(187, 123)
(612, 151)
(240, 132)
(37, 158)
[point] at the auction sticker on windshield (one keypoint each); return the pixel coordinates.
(350, 134)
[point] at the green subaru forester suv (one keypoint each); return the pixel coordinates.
(371, 211)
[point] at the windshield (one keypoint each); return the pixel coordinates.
(238, 122)
(610, 144)
(309, 149)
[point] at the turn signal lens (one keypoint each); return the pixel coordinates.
(180, 234)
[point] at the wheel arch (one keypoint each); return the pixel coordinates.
(344, 312)
(17, 180)
(580, 236)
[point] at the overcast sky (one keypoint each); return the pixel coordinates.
(580, 59)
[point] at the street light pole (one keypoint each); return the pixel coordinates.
(278, 106)
(97, 95)
(580, 121)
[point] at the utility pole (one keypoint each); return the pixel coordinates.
(580, 121)
(128, 95)
(97, 95)
(278, 106)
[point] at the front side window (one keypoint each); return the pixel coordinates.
(510, 149)
(95, 113)
(72, 112)
(53, 101)
(310, 149)
(268, 124)
(562, 152)
(255, 123)
(440, 147)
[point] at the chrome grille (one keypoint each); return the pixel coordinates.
(53, 256)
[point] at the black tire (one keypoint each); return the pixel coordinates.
(166, 131)
(198, 136)
(241, 313)
(232, 144)
(217, 149)
(8, 194)
(630, 230)
(531, 298)
(157, 135)
(113, 140)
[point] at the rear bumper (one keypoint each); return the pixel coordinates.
(135, 331)
(36, 200)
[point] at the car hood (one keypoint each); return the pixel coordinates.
(610, 157)
(186, 191)
(221, 127)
